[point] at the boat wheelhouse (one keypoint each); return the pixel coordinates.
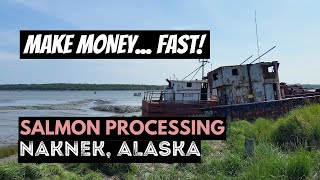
(179, 98)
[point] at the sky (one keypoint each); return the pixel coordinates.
(291, 25)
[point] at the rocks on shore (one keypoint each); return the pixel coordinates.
(117, 108)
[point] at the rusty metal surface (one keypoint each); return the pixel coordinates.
(163, 109)
(270, 109)
(244, 83)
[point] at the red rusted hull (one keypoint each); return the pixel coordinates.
(166, 109)
(249, 111)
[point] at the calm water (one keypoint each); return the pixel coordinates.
(66, 103)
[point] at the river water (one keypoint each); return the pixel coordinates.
(62, 103)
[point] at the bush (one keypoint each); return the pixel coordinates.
(299, 129)
(299, 165)
(289, 134)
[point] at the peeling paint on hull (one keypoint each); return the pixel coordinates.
(270, 109)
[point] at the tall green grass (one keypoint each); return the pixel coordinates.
(286, 148)
(300, 128)
(75, 171)
(8, 151)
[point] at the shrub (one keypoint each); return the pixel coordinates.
(289, 134)
(299, 165)
(300, 128)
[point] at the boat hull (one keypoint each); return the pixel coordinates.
(174, 109)
(248, 111)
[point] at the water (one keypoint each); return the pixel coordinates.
(59, 103)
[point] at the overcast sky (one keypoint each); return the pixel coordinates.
(293, 26)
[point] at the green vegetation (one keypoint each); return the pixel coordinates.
(8, 151)
(286, 148)
(13, 170)
(81, 87)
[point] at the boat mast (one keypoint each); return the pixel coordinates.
(255, 20)
(203, 63)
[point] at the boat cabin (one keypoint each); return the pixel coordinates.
(186, 90)
(247, 83)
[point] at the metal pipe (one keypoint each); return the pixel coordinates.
(246, 59)
(263, 54)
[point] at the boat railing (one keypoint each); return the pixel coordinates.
(158, 96)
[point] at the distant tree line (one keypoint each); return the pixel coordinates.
(81, 87)
(311, 86)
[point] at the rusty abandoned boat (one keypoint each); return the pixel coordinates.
(245, 91)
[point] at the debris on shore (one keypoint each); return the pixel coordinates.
(117, 108)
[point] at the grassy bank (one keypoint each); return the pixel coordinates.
(286, 148)
(8, 151)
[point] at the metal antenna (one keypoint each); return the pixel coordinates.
(255, 20)
(203, 63)
(174, 76)
(192, 72)
(246, 59)
(195, 74)
(263, 54)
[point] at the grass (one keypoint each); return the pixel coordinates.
(286, 148)
(8, 151)
(13, 170)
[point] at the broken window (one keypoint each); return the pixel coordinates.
(268, 72)
(215, 76)
(271, 69)
(189, 84)
(235, 72)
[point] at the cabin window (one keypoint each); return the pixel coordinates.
(189, 84)
(268, 72)
(215, 76)
(235, 72)
(172, 84)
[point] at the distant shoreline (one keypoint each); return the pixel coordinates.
(77, 87)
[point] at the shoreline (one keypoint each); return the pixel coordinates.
(80, 87)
